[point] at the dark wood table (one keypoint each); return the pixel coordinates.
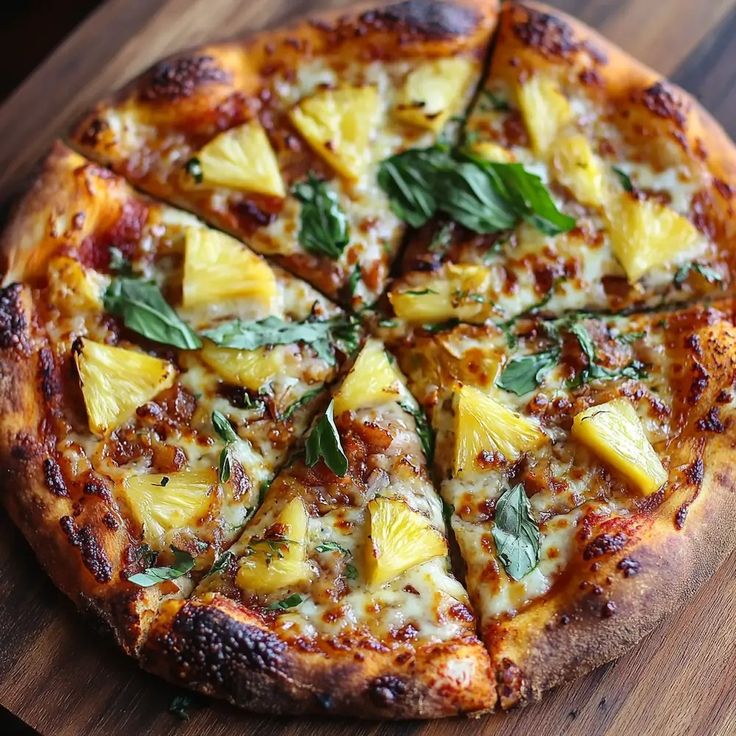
(63, 679)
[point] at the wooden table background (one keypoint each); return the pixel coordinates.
(63, 679)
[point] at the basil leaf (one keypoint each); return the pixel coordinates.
(180, 705)
(290, 602)
(711, 276)
(332, 547)
(145, 311)
(263, 490)
(524, 374)
(424, 429)
(491, 101)
(229, 436)
(442, 239)
(624, 178)
(323, 226)
(324, 442)
(301, 401)
(119, 264)
(448, 509)
(515, 533)
(222, 563)
(354, 279)
(351, 572)
(322, 336)
(183, 563)
(419, 292)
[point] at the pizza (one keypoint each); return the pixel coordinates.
(380, 366)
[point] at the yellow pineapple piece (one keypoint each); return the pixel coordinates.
(250, 368)
(483, 424)
(74, 288)
(460, 292)
(162, 502)
(646, 234)
(398, 539)
(614, 432)
(372, 380)
(433, 90)
(545, 111)
(490, 151)
(338, 124)
(116, 381)
(277, 562)
(218, 267)
(579, 169)
(242, 158)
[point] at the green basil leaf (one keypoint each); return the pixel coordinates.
(119, 264)
(710, 275)
(442, 239)
(222, 563)
(351, 572)
(515, 533)
(301, 401)
(419, 292)
(332, 547)
(183, 563)
(323, 226)
(624, 178)
(290, 602)
(424, 429)
(263, 490)
(354, 279)
(322, 336)
(145, 311)
(223, 428)
(324, 443)
(492, 101)
(524, 374)
(180, 705)
(448, 509)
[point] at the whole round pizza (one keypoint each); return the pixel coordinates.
(421, 404)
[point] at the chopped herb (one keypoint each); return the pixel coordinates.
(274, 546)
(290, 602)
(709, 274)
(448, 510)
(145, 311)
(145, 555)
(424, 429)
(354, 279)
(119, 264)
(194, 169)
(491, 101)
(387, 323)
(323, 226)
(442, 239)
(322, 336)
(524, 374)
(419, 292)
(441, 326)
(180, 706)
(624, 178)
(301, 401)
(183, 563)
(164, 482)
(351, 572)
(229, 436)
(515, 533)
(324, 443)
(332, 547)
(222, 563)
(630, 337)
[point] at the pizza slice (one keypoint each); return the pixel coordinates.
(583, 181)
(338, 596)
(587, 465)
(277, 138)
(155, 374)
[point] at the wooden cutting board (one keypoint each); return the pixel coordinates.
(62, 678)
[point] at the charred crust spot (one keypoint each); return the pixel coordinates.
(387, 690)
(629, 567)
(609, 608)
(660, 101)
(92, 133)
(209, 646)
(13, 323)
(546, 33)
(431, 18)
(711, 422)
(699, 383)
(510, 681)
(97, 487)
(54, 478)
(695, 471)
(93, 556)
(50, 380)
(110, 521)
(324, 700)
(605, 544)
(176, 79)
(681, 516)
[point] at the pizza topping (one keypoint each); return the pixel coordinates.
(515, 533)
(145, 311)
(74, 288)
(162, 503)
(579, 169)
(484, 427)
(615, 433)
(705, 272)
(242, 158)
(432, 90)
(545, 111)
(372, 380)
(339, 124)
(115, 381)
(278, 558)
(323, 225)
(230, 437)
(398, 539)
(423, 428)
(253, 369)
(324, 443)
(218, 267)
(183, 563)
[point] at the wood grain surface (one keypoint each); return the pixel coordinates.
(62, 678)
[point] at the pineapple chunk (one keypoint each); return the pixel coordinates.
(433, 90)
(646, 234)
(614, 432)
(242, 158)
(277, 562)
(579, 169)
(218, 267)
(460, 293)
(250, 368)
(489, 151)
(398, 539)
(116, 381)
(372, 380)
(483, 424)
(74, 288)
(160, 506)
(545, 111)
(338, 125)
